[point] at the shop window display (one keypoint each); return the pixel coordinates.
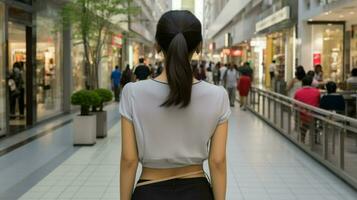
(353, 48)
(279, 41)
(2, 74)
(328, 50)
(16, 78)
(49, 66)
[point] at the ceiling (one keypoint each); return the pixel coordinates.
(347, 12)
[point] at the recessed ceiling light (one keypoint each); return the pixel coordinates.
(341, 16)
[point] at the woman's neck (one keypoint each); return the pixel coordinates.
(163, 77)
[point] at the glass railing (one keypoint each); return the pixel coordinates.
(328, 137)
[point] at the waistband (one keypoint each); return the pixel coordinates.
(178, 182)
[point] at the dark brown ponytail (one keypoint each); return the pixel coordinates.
(178, 34)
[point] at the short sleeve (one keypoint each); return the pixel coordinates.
(225, 111)
(125, 105)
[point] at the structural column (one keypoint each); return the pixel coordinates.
(67, 70)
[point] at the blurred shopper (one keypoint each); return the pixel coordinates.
(315, 83)
(244, 85)
(115, 77)
(311, 96)
(209, 74)
(159, 69)
(223, 70)
(230, 81)
(272, 71)
(142, 72)
(127, 76)
(202, 73)
(296, 83)
(167, 123)
(17, 90)
(352, 81)
(319, 74)
(216, 73)
(195, 70)
(333, 101)
(246, 69)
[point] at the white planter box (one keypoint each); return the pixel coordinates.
(101, 124)
(85, 128)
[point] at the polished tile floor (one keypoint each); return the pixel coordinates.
(262, 165)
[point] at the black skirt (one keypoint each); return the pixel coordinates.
(176, 189)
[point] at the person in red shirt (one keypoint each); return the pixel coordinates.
(244, 85)
(311, 96)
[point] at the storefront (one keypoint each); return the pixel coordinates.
(31, 68)
(3, 84)
(49, 65)
(241, 53)
(328, 49)
(279, 29)
(258, 45)
(353, 59)
(281, 50)
(327, 37)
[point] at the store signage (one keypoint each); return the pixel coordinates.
(226, 52)
(237, 53)
(117, 40)
(277, 17)
(317, 59)
(232, 52)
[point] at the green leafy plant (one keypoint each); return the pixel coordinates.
(85, 99)
(105, 96)
(92, 25)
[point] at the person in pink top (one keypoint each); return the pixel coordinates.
(308, 95)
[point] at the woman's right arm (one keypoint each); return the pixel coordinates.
(217, 161)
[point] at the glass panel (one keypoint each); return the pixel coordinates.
(353, 49)
(328, 50)
(17, 76)
(2, 74)
(49, 65)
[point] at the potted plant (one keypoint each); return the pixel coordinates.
(105, 96)
(85, 123)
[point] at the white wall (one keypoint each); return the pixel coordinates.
(176, 4)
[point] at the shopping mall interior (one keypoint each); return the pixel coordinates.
(73, 105)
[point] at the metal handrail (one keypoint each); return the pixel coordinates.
(306, 106)
(330, 134)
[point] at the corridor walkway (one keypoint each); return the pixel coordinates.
(262, 165)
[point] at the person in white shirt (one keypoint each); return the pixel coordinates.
(230, 81)
(352, 81)
(272, 70)
(223, 70)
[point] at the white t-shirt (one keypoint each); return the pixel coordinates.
(223, 71)
(272, 67)
(352, 81)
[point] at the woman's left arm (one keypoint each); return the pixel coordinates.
(129, 159)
